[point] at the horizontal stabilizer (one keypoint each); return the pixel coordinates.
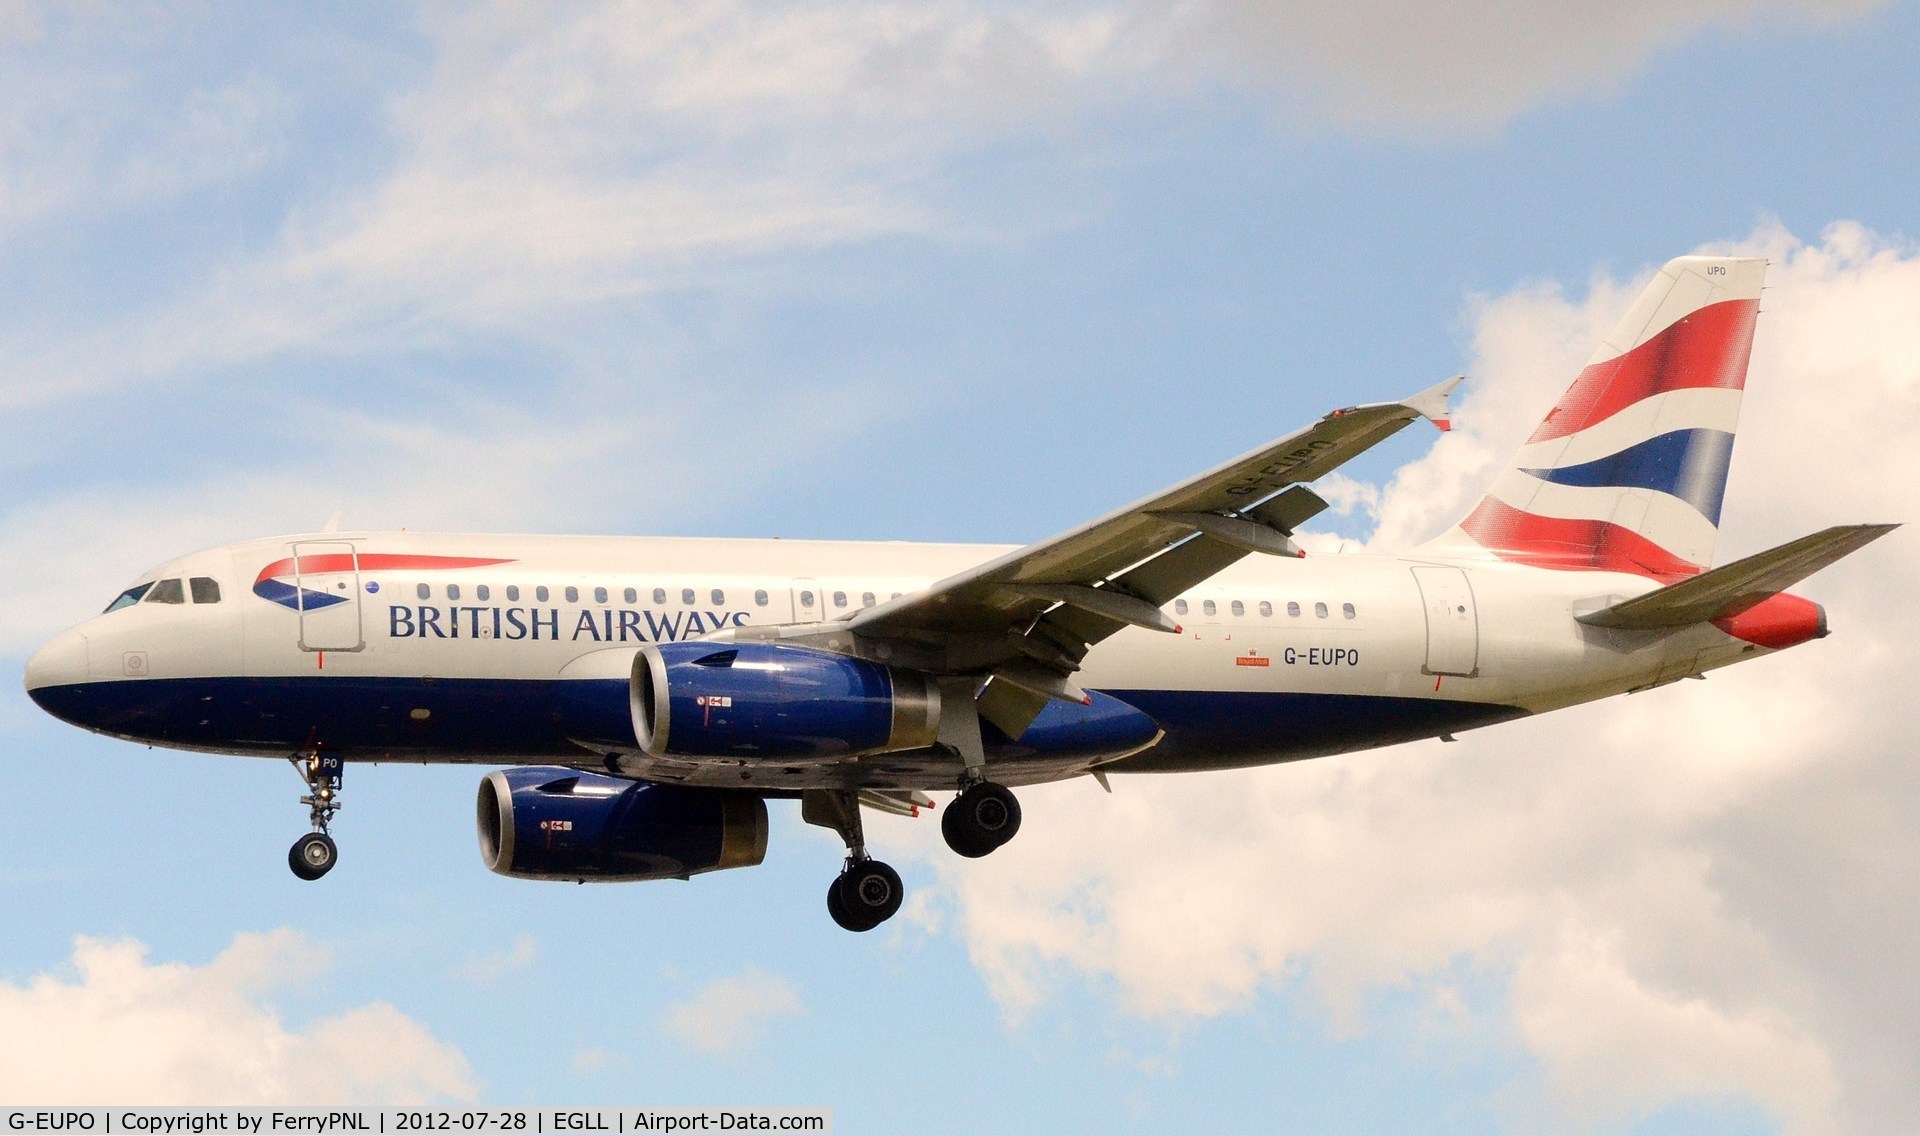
(1726, 591)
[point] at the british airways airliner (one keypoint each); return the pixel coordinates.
(651, 695)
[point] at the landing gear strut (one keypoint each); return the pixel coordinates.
(984, 815)
(867, 892)
(314, 854)
(982, 818)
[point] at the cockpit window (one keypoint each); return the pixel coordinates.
(129, 597)
(205, 589)
(167, 591)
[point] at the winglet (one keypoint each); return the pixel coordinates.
(1432, 402)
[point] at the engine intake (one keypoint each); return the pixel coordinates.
(767, 700)
(549, 823)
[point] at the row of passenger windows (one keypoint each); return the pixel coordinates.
(543, 594)
(571, 594)
(204, 589)
(867, 599)
(718, 597)
(1208, 607)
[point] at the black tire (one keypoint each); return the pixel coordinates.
(981, 819)
(870, 892)
(963, 838)
(837, 907)
(312, 856)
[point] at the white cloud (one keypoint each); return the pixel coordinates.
(1467, 66)
(593, 1060)
(728, 1014)
(496, 965)
(1702, 889)
(553, 159)
(124, 1030)
(89, 125)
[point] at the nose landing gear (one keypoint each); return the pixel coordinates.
(314, 854)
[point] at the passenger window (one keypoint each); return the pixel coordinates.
(760, 597)
(719, 597)
(513, 593)
(167, 591)
(1179, 607)
(1209, 607)
(540, 593)
(631, 596)
(128, 598)
(686, 596)
(839, 599)
(866, 599)
(453, 591)
(806, 599)
(424, 591)
(1293, 609)
(896, 595)
(1347, 610)
(482, 592)
(1320, 610)
(599, 595)
(205, 589)
(659, 595)
(1239, 608)
(1266, 607)
(573, 594)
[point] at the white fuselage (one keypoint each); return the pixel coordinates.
(443, 647)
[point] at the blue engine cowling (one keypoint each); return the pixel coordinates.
(549, 823)
(753, 700)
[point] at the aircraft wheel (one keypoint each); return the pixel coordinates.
(982, 818)
(838, 909)
(312, 856)
(865, 895)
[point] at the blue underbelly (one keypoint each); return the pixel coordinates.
(512, 720)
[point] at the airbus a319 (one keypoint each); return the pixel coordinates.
(650, 695)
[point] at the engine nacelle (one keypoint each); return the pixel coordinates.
(767, 700)
(549, 823)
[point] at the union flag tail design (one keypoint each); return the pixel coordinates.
(1627, 472)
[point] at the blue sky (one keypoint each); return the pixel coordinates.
(968, 271)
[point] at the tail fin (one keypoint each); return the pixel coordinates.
(1627, 472)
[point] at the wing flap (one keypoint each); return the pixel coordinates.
(979, 600)
(1726, 591)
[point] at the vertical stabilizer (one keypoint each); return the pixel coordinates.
(1627, 472)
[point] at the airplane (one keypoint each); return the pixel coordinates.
(650, 695)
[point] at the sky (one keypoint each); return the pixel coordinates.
(967, 271)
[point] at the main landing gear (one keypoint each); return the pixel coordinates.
(980, 819)
(314, 854)
(867, 892)
(984, 815)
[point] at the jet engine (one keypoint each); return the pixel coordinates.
(548, 823)
(767, 700)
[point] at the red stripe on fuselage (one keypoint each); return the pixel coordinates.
(1707, 348)
(1571, 545)
(373, 562)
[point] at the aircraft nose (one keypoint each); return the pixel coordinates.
(62, 662)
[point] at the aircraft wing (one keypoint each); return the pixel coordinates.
(1730, 589)
(1029, 617)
